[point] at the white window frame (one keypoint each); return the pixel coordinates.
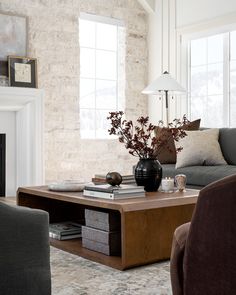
(120, 103)
(185, 34)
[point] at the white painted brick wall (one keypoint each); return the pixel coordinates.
(53, 39)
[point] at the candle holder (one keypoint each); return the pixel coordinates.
(167, 185)
(180, 181)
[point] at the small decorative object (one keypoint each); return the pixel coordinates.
(3, 68)
(141, 142)
(148, 173)
(113, 178)
(180, 181)
(4, 81)
(22, 71)
(67, 186)
(167, 185)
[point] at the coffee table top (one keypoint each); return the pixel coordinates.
(151, 200)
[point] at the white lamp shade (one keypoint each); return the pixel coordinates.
(164, 82)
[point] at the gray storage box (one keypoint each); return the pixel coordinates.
(108, 243)
(108, 221)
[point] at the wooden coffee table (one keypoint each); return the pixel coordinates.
(147, 224)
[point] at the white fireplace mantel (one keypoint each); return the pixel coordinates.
(28, 105)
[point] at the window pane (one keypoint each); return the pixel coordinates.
(233, 45)
(215, 49)
(106, 65)
(209, 109)
(233, 109)
(199, 81)
(233, 94)
(86, 33)
(215, 79)
(215, 111)
(106, 94)
(233, 76)
(198, 109)
(102, 56)
(87, 93)
(199, 52)
(106, 36)
(87, 123)
(102, 124)
(87, 63)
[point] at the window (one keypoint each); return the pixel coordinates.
(212, 80)
(102, 73)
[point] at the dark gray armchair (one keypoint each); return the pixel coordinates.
(24, 251)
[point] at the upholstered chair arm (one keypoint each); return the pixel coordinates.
(210, 251)
(24, 251)
(177, 254)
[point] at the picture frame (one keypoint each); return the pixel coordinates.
(22, 71)
(13, 35)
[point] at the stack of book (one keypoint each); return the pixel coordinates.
(101, 179)
(65, 230)
(107, 191)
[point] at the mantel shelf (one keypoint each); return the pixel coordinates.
(15, 98)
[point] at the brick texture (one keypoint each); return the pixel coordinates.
(53, 40)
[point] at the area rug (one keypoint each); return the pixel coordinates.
(73, 275)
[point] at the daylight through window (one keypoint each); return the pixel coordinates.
(102, 73)
(212, 77)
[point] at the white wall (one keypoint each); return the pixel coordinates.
(162, 54)
(8, 126)
(170, 18)
(193, 12)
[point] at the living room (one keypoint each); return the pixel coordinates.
(89, 58)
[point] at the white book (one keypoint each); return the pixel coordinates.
(112, 196)
(121, 189)
(62, 238)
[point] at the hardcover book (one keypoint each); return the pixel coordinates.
(113, 196)
(116, 190)
(65, 228)
(64, 237)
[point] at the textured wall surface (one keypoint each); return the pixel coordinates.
(53, 39)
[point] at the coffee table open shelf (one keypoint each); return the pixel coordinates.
(147, 224)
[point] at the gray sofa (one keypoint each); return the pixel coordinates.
(24, 251)
(200, 176)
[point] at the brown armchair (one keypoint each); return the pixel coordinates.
(203, 258)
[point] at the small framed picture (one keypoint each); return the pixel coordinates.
(22, 71)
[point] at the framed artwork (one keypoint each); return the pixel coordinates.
(22, 71)
(13, 35)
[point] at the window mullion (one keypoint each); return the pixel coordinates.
(95, 81)
(117, 59)
(207, 85)
(226, 81)
(189, 92)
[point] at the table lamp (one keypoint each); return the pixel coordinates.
(164, 83)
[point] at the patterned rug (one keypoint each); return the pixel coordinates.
(73, 275)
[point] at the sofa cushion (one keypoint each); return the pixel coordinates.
(227, 139)
(168, 153)
(200, 148)
(199, 175)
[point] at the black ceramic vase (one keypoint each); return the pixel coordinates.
(148, 173)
